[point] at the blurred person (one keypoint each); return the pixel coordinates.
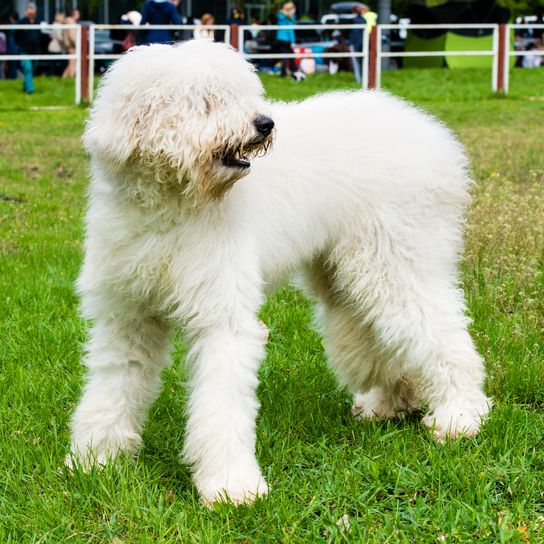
(159, 12)
(202, 32)
(12, 65)
(341, 46)
(285, 37)
(532, 61)
(125, 39)
(3, 51)
(356, 39)
(186, 33)
(69, 39)
(56, 43)
(371, 18)
(538, 33)
(28, 42)
(237, 17)
(363, 16)
(4, 41)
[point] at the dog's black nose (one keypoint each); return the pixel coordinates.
(264, 125)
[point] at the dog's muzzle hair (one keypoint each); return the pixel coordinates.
(240, 155)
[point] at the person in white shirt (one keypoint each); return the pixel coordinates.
(202, 32)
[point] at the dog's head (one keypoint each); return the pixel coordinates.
(189, 117)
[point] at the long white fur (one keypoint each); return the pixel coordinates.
(361, 194)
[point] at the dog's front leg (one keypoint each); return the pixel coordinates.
(220, 443)
(125, 355)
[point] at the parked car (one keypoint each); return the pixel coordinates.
(341, 13)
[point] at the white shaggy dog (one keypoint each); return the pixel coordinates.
(360, 193)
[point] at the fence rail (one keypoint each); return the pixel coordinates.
(49, 27)
(520, 53)
(92, 57)
(371, 54)
(363, 54)
(494, 52)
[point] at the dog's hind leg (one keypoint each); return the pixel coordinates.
(124, 358)
(379, 392)
(417, 318)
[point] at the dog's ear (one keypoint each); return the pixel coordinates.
(127, 126)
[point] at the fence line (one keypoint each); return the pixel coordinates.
(75, 56)
(242, 29)
(92, 57)
(78, 65)
(371, 54)
(494, 52)
(442, 26)
(509, 53)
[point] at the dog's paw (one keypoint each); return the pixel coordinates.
(456, 427)
(456, 423)
(85, 462)
(241, 489)
(87, 456)
(372, 405)
(89, 459)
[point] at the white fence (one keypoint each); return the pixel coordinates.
(141, 28)
(243, 29)
(494, 52)
(48, 28)
(509, 53)
(372, 51)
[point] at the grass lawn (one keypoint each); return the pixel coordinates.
(391, 480)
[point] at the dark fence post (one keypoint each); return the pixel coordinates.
(373, 57)
(503, 59)
(84, 60)
(234, 36)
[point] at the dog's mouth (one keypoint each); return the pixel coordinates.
(236, 159)
(240, 157)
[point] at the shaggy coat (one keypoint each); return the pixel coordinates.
(196, 212)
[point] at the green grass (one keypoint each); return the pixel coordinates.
(390, 478)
